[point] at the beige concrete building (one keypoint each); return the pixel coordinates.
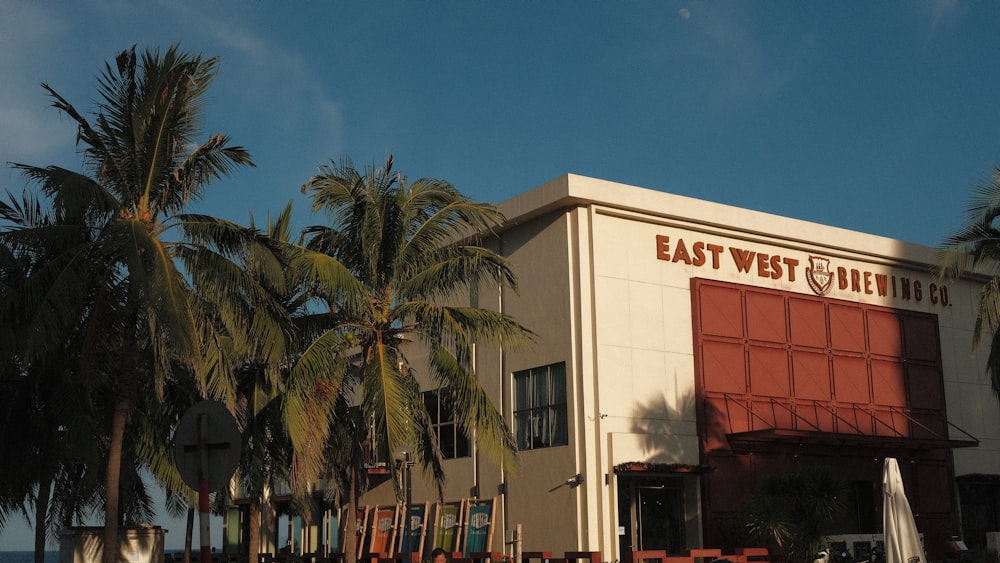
(685, 348)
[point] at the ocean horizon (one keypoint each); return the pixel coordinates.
(51, 556)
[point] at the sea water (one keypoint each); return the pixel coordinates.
(27, 556)
(52, 556)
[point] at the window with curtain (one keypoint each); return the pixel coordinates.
(540, 407)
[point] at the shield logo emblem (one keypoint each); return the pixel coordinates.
(819, 275)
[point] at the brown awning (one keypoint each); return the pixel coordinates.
(871, 425)
(647, 467)
(805, 437)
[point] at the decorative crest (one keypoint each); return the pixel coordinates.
(819, 275)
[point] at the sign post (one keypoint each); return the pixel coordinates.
(207, 448)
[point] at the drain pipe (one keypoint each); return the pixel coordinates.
(501, 379)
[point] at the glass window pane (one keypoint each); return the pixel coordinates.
(521, 396)
(557, 381)
(447, 414)
(540, 389)
(557, 423)
(447, 437)
(431, 403)
(462, 447)
(522, 429)
(540, 428)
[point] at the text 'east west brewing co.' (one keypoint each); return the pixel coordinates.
(817, 271)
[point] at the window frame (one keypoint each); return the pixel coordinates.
(546, 417)
(442, 419)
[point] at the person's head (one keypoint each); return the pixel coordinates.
(439, 556)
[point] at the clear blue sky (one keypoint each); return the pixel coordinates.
(872, 116)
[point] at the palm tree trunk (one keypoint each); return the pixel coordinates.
(351, 530)
(188, 530)
(111, 507)
(41, 512)
(253, 537)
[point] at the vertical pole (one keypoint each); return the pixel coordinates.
(402, 456)
(204, 532)
(406, 514)
(517, 544)
(405, 543)
(404, 475)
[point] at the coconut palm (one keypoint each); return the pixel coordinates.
(975, 247)
(46, 445)
(122, 287)
(258, 381)
(391, 256)
(16, 391)
(45, 438)
(262, 377)
(49, 404)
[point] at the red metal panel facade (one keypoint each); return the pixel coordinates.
(785, 379)
(766, 318)
(884, 334)
(807, 321)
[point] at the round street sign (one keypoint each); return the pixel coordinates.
(207, 445)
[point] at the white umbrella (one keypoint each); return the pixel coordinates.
(902, 542)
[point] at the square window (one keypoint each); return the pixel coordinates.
(540, 407)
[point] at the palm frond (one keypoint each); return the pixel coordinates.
(444, 272)
(975, 248)
(390, 394)
(76, 198)
(458, 327)
(213, 160)
(473, 408)
(332, 279)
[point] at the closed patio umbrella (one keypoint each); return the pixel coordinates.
(902, 542)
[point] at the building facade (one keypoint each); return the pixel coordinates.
(684, 349)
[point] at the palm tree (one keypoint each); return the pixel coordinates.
(976, 248)
(48, 407)
(391, 255)
(123, 282)
(261, 376)
(288, 316)
(45, 428)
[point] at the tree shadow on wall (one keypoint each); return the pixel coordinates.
(668, 431)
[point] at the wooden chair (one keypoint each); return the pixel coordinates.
(653, 555)
(485, 556)
(542, 556)
(586, 556)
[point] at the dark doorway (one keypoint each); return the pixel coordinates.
(651, 514)
(980, 498)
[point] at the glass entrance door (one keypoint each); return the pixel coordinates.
(651, 514)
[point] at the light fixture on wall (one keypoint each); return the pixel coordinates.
(575, 480)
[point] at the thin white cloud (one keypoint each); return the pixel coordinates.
(734, 45)
(30, 41)
(943, 16)
(275, 84)
(263, 85)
